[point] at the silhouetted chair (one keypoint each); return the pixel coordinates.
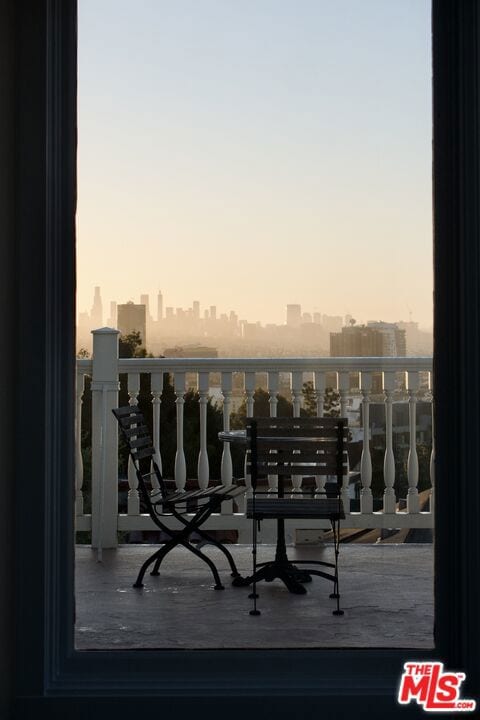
(285, 447)
(161, 502)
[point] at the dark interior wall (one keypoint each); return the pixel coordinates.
(7, 345)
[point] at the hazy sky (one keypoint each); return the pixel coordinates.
(253, 153)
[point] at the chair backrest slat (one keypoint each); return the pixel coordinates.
(140, 445)
(298, 446)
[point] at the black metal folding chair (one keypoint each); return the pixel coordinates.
(285, 447)
(160, 502)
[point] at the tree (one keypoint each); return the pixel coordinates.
(331, 401)
(261, 408)
(130, 345)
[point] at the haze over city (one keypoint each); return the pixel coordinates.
(256, 154)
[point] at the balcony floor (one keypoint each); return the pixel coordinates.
(387, 595)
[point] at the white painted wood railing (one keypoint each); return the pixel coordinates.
(104, 368)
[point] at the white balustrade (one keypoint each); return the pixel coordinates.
(105, 368)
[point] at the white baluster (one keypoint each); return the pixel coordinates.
(389, 499)
(297, 398)
(180, 464)
(203, 466)
(297, 395)
(343, 389)
(413, 504)
(273, 393)
(133, 501)
(226, 467)
(250, 392)
(320, 382)
(78, 442)
(366, 498)
(156, 390)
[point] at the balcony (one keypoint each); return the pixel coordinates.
(387, 586)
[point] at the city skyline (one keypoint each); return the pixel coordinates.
(161, 327)
(249, 153)
(162, 309)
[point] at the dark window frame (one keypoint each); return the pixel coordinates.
(51, 677)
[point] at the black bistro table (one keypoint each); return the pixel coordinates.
(280, 567)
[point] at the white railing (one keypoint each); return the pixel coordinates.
(385, 380)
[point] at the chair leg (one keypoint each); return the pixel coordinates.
(254, 594)
(223, 549)
(189, 546)
(336, 544)
(153, 558)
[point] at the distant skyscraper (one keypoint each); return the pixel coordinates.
(356, 341)
(196, 310)
(294, 315)
(96, 315)
(112, 320)
(213, 312)
(160, 306)
(394, 338)
(132, 318)
(374, 340)
(145, 300)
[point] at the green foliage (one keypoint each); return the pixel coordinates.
(331, 401)
(130, 345)
(261, 408)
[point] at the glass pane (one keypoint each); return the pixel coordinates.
(254, 195)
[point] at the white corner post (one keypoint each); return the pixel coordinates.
(104, 439)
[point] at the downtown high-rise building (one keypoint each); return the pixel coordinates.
(160, 306)
(132, 318)
(294, 315)
(96, 314)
